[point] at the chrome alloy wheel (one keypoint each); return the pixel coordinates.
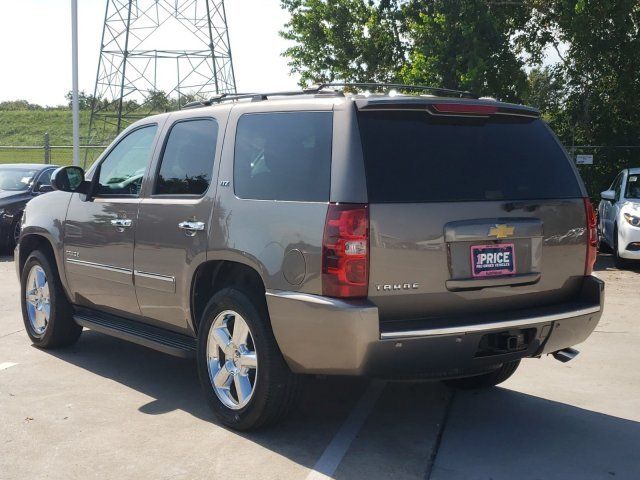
(38, 300)
(231, 360)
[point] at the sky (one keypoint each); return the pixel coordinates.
(35, 47)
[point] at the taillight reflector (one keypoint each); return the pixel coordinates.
(592, 236)
(464, 109)
(345, 251)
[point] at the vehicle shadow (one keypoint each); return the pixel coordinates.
(605, 262)
(496, 434)
(504, 434)
(173, 384)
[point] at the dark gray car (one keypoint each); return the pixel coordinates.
(321, 233)
(19, 183)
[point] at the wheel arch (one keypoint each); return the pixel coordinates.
(214, 275)
(39, 240)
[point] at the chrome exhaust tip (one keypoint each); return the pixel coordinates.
(565, 355)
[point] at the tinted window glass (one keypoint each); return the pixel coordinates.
(187, 162)
(44, 178)
(122, 171)
(284, 156)
(633, 187)
(412, 157)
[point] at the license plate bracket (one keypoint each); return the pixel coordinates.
(493, 260)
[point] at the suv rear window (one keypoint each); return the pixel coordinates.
(284, 156)
(414, 157)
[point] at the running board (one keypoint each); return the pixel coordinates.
(149, 336)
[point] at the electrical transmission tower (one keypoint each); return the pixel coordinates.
(155, 56)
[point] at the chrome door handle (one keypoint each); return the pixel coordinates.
(191, 228)
(122, 222)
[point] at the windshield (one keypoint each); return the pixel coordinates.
(633, 187)
(16, 179)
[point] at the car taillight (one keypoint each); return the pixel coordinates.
(592, 237)
(345, 251)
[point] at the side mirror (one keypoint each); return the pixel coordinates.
(68, 179)
(44, 189)
(608, 195)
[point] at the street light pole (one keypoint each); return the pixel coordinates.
(75, 104)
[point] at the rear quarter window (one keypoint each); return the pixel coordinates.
(414, 157)
(283, 156)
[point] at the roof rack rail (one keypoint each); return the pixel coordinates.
(399, 86)
(325, 89)
(257, 97)
(217, 99)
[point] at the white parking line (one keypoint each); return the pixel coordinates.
(329, 461)
(5, 365)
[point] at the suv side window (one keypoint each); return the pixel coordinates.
(122, 171)
(188, 157)
(284, 156)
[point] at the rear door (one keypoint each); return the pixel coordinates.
(469, 214)
(174, 220)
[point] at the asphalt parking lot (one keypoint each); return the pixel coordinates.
(109, 409)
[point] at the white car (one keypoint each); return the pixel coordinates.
(619, 217)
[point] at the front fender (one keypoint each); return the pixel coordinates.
(43, 220)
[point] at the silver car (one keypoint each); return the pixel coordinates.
(274, 236)
(619, 217)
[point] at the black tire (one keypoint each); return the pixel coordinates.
(603, 246)
(276, 388)
(14, 233)
(486, 380)
(60, 330)
(620, 263)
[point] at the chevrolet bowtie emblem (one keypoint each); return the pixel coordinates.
(501, 231)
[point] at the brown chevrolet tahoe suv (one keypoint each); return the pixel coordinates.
(271, 236)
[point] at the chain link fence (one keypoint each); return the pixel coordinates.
(41, 150)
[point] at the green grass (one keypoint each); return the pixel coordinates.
(58, 156)
(27, 128)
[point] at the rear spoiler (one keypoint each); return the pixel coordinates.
(449, 107)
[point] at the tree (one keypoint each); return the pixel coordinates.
(157, 101)
(85, 101)
(546, 90)
(444, 43)
(18, 105)
(346, 40)
(465, 44)
(600, 67)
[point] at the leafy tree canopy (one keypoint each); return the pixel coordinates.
(498, 48)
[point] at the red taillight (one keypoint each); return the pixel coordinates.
(464, 109)
(345, 251)
(592, 237)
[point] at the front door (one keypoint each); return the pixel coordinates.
(173, 222)
(99, 233)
